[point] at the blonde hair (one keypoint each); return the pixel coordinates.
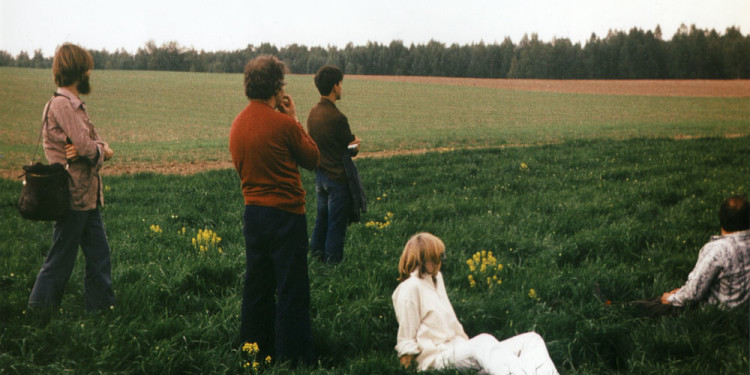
(423, 251)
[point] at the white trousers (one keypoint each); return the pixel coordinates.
(525, 354)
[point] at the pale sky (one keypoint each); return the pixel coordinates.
(27, 25)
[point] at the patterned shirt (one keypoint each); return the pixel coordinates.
(722, 273)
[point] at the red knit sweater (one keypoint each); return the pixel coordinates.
(266, 147)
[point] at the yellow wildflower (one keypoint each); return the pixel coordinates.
(484, 264)
(381, 225)
(533, 295)
(207, 240)
(249, 347)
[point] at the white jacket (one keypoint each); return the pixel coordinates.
(427, 324)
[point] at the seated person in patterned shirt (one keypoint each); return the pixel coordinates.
(722, 274)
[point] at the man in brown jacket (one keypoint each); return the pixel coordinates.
(330, 130)
(70, 138)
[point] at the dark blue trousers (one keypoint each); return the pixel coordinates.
(84, 229)
(276, 298)
(334, 203)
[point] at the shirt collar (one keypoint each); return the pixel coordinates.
(427, 279)
(323, 99)
(75, 101)
(741, 233)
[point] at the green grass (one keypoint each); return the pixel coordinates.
(606, 196)
(630, 215)
(157, 117)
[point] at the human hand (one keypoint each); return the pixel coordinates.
(71, 153)
(356, 143)
(667, 294)
(287, 106)
(406, 360)
(108, 152)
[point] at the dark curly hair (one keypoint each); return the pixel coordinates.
(264, 77)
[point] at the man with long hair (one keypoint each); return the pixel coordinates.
(267, 143)
(70, 138)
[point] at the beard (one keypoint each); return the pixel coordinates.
(84, 86)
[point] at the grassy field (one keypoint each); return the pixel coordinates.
(629, 215)
(625, 206)
(159, 117)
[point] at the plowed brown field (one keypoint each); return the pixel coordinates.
(694, 88)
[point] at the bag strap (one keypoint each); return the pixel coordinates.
(44, 122)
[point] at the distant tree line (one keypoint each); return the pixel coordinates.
(637, 54)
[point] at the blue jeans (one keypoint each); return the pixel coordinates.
(276, 298)
(84, 229)
(334, 203)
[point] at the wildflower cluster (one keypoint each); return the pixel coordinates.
(524, 167)
(207, 240)
(250, 361)
(155, 229)
(484, 269)
(381, 225)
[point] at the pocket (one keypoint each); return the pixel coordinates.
(78, 192)
(80, 184)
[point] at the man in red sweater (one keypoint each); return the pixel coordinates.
(267, 143)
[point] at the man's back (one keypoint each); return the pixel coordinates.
(721, 274)
(266, 148)
(330, 130)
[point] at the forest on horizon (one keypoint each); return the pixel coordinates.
(692, 53)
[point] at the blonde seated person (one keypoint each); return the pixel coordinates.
(429, 331)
